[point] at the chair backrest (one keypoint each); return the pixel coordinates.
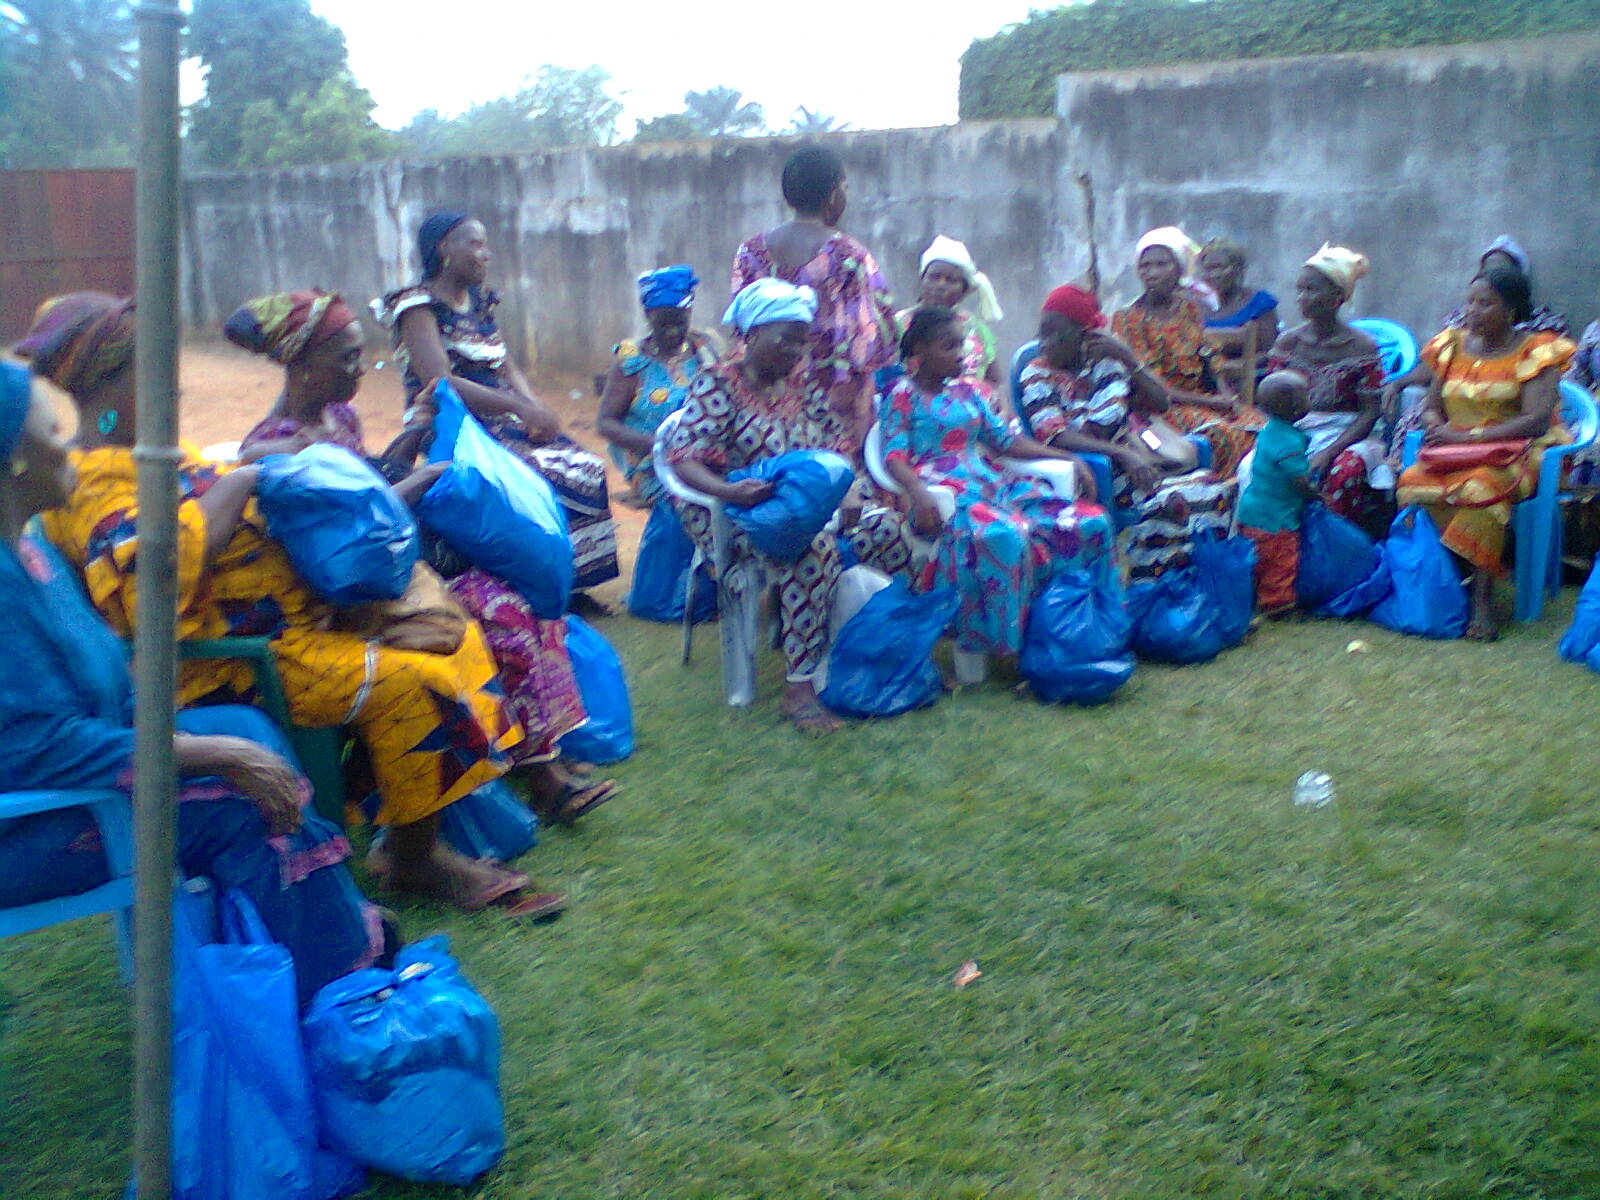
(1579, 413)
(1397, 346)
(1244, 339)
(666, 473)
(1025, 354)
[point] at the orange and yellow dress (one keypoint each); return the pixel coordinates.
(1472, 507)
(435, 726)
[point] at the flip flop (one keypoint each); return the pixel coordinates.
(505, 883)
(578, 799)
(540, 906)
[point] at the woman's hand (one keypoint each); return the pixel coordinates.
(1099, 343)
(1088, 489)
(1143, 470)
(850, 507)
(1320, 462)
(424, 409)
(252, 770)
(411, 488)
(926, 519)
(539, 421)
(747, 492)
(1445, 434)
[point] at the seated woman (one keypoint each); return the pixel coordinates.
(435, 726)
(650, 378)
(752, 407)
(66, 705)
(1165, 328)
(1007, 537)
(1492, 382)
(444, 327)
(1078, 395)
(853, 334)
(949, 276)
(318, 341)
(1346, 378)
(1222, 266)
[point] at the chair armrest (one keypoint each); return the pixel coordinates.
(26, 804)
(1410, 448)
(257, 651)
(1202, 450)
(1550, 466)
(1059, 476)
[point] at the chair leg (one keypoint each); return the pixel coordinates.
(695, 563)
(122, 929)
(972, 667)
(739, 599)
(1532, 523)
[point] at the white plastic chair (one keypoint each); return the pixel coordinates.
(1057, 476)
(740, 585)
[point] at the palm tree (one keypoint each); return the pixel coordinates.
(70, 69)
(808, 123)
(724, 112)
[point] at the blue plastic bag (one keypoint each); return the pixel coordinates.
(1075, 650)
(809, 486)
(1226, 568)
(661, 572)
(496, 511)
(608, 737)
(406, 1068)
(881, 663)
(1335, 556)
(1361, 599)
(1174, 618)
(243, 1120)
(1583, 635)
(491, 822)
(350, 538)
(1429, 598)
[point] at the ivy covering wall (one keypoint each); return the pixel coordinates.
(1013, 73)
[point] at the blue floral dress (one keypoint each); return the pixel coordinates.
(1008, 536)
(663, 387)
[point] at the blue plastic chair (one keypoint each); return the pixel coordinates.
(1536, 521)
(1397, 347)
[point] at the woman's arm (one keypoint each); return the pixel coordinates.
(411, 488)
(615, 401)
(253, 771)
(419, 330)
(223, 504)
(926, 518)
(703, 479)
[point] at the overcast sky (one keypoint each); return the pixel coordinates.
(872, 63)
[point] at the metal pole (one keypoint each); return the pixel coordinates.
(155, 652)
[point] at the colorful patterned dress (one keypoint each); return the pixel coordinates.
(1338, 391)
(662, 388)
(435, 726)
(1472, 507)
(1093, 400)
(1007, 536)
(531, 652)
(478, 353)
(852, 335)
(1174, 348)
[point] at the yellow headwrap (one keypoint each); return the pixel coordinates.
(1342, 265)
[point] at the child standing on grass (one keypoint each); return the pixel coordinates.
(1280, 486)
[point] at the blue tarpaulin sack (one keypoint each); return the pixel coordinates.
(495, 511)
(405, 1064)
(1226, 568)
(809, 486)
(661, 572)
(1335, 556)
(1361, 599)
(1075, 650)
(1174, 618)
(1583, 635)
(608, 737)
(350, 538)
(1429, 598)
(244, 1123)
(492, 822)
(881, 663)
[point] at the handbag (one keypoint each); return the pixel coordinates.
(1464, 456)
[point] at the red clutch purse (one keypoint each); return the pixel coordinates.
(1463, 456)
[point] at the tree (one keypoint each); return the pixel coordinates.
(67, 71)
(329, 125)
(808, 123)
(673, 127)
(263, 61)
(724, 112)
(557, 107)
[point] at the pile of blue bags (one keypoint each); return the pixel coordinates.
(661, 572)
(1193, 613)
(608, 735)
(1413, 586)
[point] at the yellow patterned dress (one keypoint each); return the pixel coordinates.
(435, 726)
(1472, 507)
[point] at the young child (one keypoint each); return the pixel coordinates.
(1279, 487)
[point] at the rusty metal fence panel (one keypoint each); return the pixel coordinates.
(62, 231)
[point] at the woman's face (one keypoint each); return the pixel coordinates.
(465, 251)
(669, 327)
(776, 349)
(1316, 294)
(943, 285)
(940, 352)
(1222, 271)
(1487, 314)
(332, 372)
(1158, 272)
(1060, 340)
(46, 476)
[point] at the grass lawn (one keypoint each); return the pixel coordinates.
(1190, 987)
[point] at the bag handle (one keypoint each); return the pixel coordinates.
(241, 923)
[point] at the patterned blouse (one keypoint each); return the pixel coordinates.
(1585, 369)
(1477, 392)
(1340, 386)
(1092, 400)
(727, 424)
(471, 339)
(341, 421)
(1171, 346)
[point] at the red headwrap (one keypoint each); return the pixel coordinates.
(1076, 305)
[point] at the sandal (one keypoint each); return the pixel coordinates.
(575, 800)
(539, 906)
(459, 893)
(812, 719)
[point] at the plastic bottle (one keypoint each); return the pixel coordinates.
(1314, 789)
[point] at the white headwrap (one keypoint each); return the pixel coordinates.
(768, 301)
(1343, 266)
(1187, 251)
(948, 250)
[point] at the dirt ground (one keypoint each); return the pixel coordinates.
(225, 391)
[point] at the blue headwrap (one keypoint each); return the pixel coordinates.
(16, 394)
(768, 301)
(435, 228)
(668, 287)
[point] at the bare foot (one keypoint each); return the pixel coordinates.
(446, 876)
(801, 706)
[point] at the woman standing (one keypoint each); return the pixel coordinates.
(318, 341)
(1006, 537)
(650, 378)
(853, 334)
(1346, 376)
(1165, 328)
(1491, 410)
(949, 276)
(444, 327)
